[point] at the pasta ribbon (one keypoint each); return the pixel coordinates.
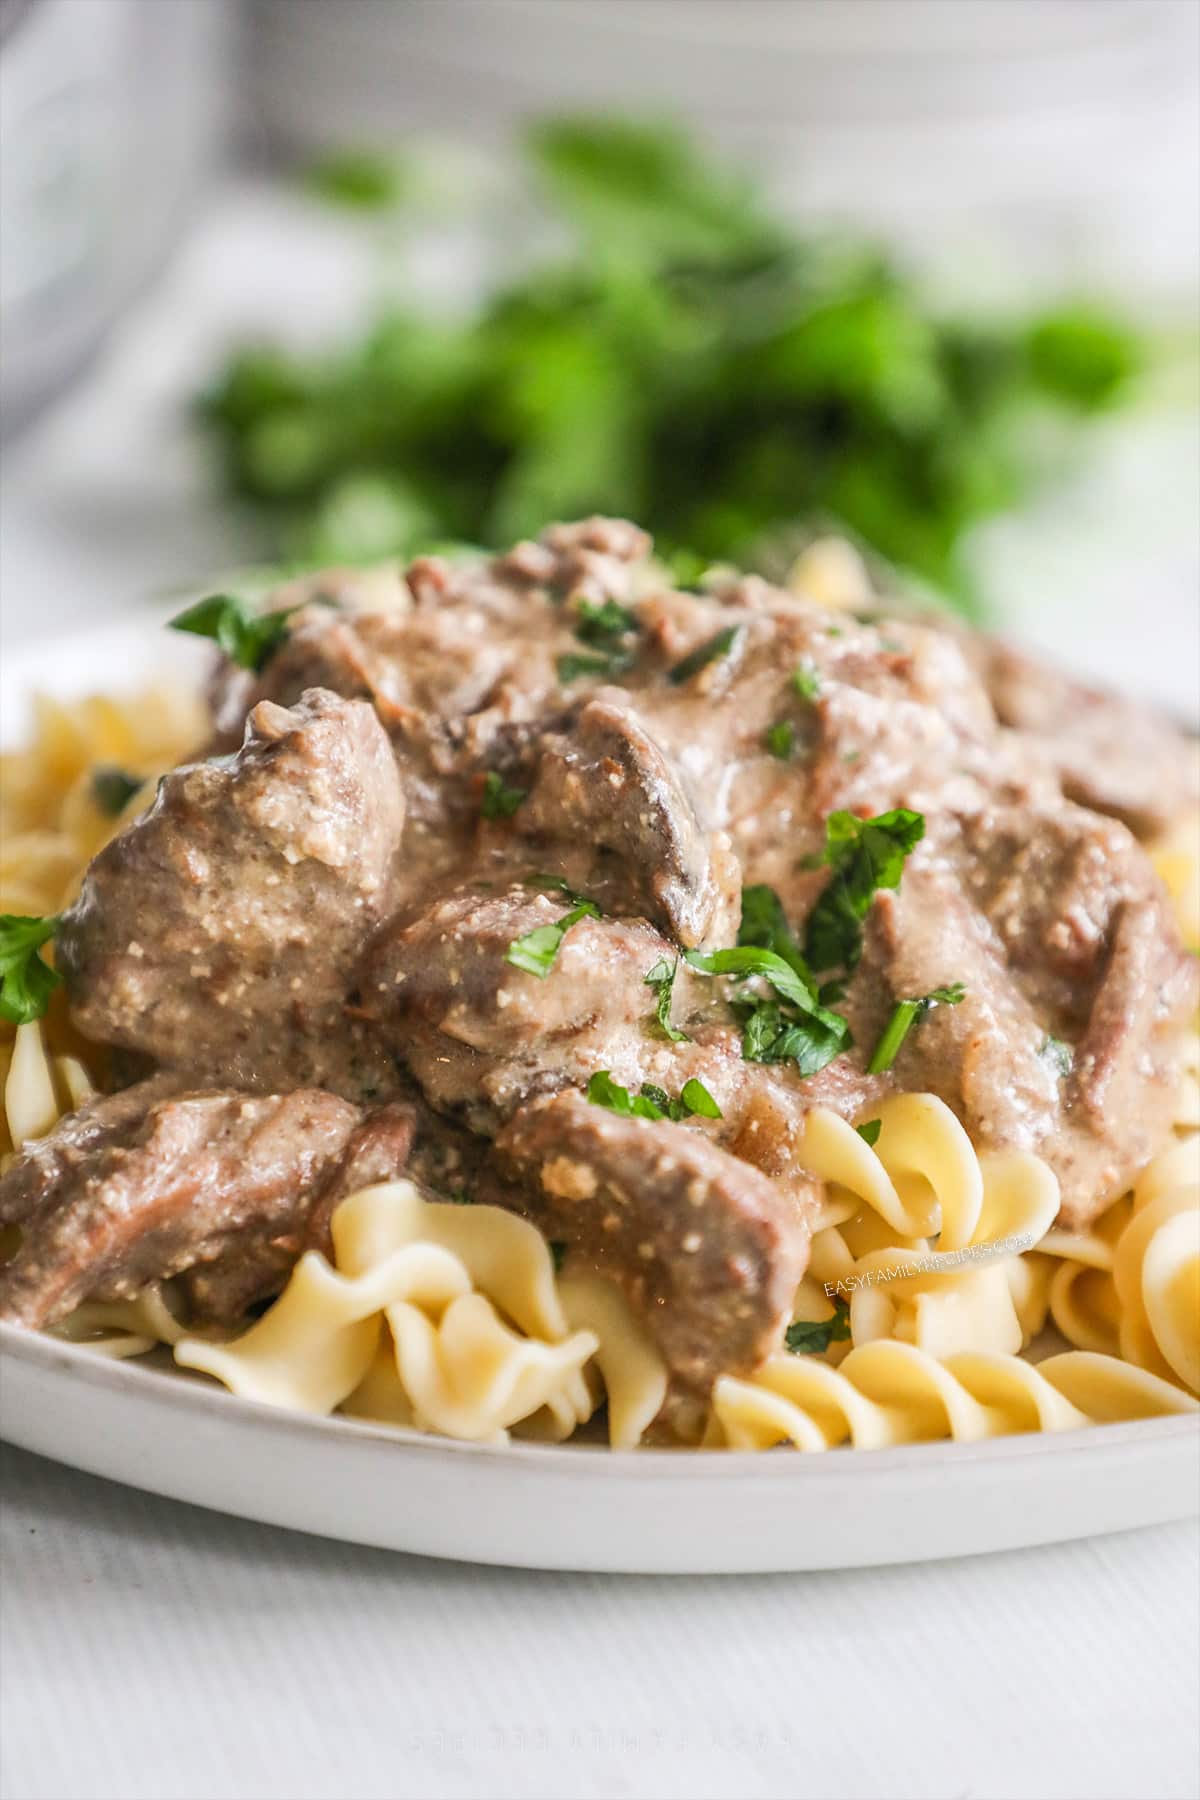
(891, 1393)
(414, 1269)
(922, 1175)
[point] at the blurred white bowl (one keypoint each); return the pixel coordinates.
(1059, 135)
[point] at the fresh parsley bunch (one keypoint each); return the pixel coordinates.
(691, 362)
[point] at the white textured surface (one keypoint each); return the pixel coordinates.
(156, 1652)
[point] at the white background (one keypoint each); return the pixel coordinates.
(152, 1650)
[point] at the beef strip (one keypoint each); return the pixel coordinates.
(606, 782)
(479, 1034)
(225, 1187)
(706, 1249)
(1055, 926)
(217, 933)
(482, 1037)
(1109, 753)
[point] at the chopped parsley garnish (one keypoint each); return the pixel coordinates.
(247, 637)
(113, 789)
(807, 681)
(780, 739)
(869, 1131)
(558, 1254)
(711, 650)
(764, 923)
(652, 1102)
(864, 855)
(809, 1337)
(536, 951)
(609, 628)
(662, 979)
(695, 1098)
(26, 982)
(604, 624)
(794, 1027)
(905, 1015)
(497, 800)
(577, 663)
(1060, 1056)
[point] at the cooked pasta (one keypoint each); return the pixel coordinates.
(893, 1393)
(434, 1285)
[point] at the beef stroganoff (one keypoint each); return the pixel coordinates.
(532, 999)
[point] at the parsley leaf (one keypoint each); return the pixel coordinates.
(711, 650)
(865, 855)
(558, 1254)
(747, 960)
(780, 739)
(799, 1030)
(575, 664)
(605, 623)
(764, 923)
(26, 982)
(905, 1015)
(536, 951)
(807, 681)
(498, 801)
(773, 1034)
(652, 1102)
(869, 1131)
(361, 180)
(809, 1337)
(609, 628)
(247, 637)
(695, 1098)
(113, 789)
(662, 979)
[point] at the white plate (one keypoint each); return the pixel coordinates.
(554, 1507)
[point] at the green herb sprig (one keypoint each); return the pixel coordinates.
(499, 801)
(864, 855)
(810, 1337)
(662, 979)
(26, 982)
(652, 1102)
(905, 1014)
(248, 637)
(536, 951)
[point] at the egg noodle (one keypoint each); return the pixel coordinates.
(939, 1292)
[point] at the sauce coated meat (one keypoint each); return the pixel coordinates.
(407, 910)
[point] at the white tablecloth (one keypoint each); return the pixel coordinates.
(152, 1650)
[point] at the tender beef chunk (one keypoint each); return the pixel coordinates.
(459, 639)
(1110, 753)
(479, 1034)
(706, 1249)
(1056, 927)
(221, 1186)
(652, 793)
(37, 1178)
(218, 933)
(607, 783)
(481, 1037)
